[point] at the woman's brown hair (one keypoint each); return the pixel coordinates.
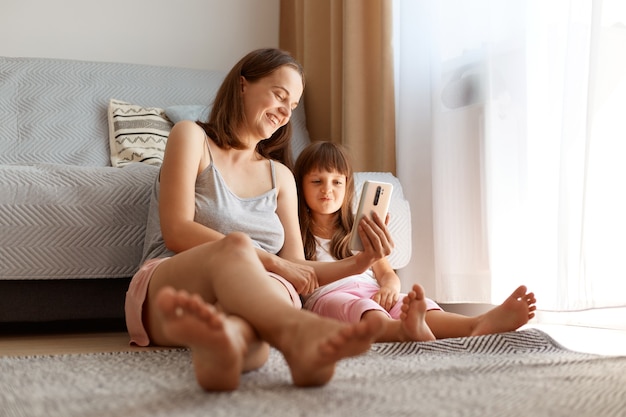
(227, 114)
(326, 156)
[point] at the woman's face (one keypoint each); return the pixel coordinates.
(324, 191)
(268, 102)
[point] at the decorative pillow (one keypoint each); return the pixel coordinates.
(137, 133)
(193, 112)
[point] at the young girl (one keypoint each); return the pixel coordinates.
(326, 188)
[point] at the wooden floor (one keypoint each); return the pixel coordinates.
(583, 339)
(65, 338)
(42, 344)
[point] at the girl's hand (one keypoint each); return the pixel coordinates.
(386, 297)
(302, 277)
(377, 241)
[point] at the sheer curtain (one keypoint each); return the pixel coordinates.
(520, 130)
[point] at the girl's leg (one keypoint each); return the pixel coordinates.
(347, 303)
(229, 272)
(410, 324)
(513, 313)
(352, 302)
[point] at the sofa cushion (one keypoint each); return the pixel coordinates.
(55, 110)
(193, 112)
(62, 221)
(137, 133)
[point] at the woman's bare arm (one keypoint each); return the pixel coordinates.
(184, 159)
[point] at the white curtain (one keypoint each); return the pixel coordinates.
(515, 112)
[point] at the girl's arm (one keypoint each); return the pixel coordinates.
(389, 283)
(377, 244)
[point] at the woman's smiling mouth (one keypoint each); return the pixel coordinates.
(273, 119)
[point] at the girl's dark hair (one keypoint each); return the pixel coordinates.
(326, 156)
(227, 114)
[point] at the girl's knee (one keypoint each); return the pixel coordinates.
(354, 311)
(396, 310)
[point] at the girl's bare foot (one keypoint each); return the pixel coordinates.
(315, 344)
(513, 313)
(413, 325)
(217, 342)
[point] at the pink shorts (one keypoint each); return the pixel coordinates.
(350, 301)
(138, 290)
(135, 297)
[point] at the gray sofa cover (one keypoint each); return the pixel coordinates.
(71, 225)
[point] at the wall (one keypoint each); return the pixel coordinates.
(207, 34)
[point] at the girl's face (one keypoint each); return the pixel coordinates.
(268, 102)
(324, 191)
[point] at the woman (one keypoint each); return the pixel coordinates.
(223, 261)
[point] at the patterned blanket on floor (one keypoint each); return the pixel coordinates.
(523, 373)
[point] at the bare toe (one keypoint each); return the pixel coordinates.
(413, 326)
(513, 313)
(215, 341)
(317, 344)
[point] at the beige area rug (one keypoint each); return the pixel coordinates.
(524, 373)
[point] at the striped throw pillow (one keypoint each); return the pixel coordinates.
(137, 133)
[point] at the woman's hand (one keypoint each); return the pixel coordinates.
(302, 277)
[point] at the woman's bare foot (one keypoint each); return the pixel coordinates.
(513, 313)
(413, 325)
(315, 345)
(217, 342)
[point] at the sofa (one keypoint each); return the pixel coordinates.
(80, 145)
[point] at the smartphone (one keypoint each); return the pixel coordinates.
(375, 197)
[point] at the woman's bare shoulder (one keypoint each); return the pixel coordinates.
(283, 172)
(187, 127)
(186, 132)
(284, 177)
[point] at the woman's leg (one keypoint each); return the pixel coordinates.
(513, 313)
(228, 272)
(222, 346)
(181, 310)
